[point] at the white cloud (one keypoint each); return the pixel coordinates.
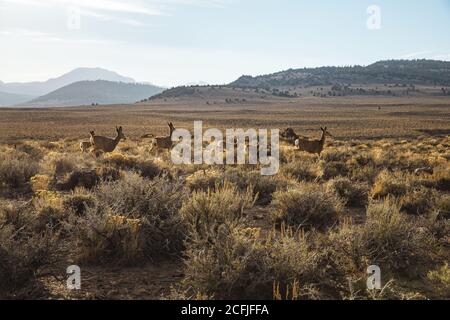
(106, 17)
(22, 33)
(112, 5)
(134, 7)
(26, 2)
(198, 3)
(44, 37)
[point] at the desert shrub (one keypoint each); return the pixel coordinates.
(84, 178)
(204, 212)
(333, 169)
(307, 205)
(40, 182)
(105, 237)
(16, 169)
(386, 183)
(388, 239)
(419, 201)
(15, 213)
(108, 173)
(20, 261)
(134, 196)
(78, 201)
(354, 193)
(362, 159)
(442, 206)
(384, 156)
(146, 168)
(49, 145)
(120, 161)
(146, 209)
(365, 174)
(23, 253)
(203, 180)
(59, 164)
(225, 267)
(300, 170)
(441, 278)
(296, 269)
(238, 264)
(336, 155)
(32, 151)
(263, 186)
(48, 210)
(441, 178)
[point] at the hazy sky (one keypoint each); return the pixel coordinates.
(172, 42)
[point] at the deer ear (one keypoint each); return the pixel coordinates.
(325, 128)
(321, 128)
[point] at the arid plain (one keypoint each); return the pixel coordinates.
(142, 227)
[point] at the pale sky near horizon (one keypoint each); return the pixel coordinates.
(174, 42)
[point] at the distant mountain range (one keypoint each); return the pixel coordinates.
(95, 92)
(37, 93)
(95, 85)
(410, 72)
(10, 99)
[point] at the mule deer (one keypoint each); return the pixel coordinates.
(289, 135)
(85, 145)
(164, 142)
(104, 144)
(313, 146)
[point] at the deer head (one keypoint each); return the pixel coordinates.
(171, 127)
(120, 135)
(325, 132)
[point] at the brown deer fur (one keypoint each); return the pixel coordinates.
(104, 144)
(313, 146)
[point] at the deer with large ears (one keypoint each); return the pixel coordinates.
(313, 146)
(105, 144)
(164, 142)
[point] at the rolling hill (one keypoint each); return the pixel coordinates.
(93, 92)
(30, 90)
(415, 72)
(383, 78)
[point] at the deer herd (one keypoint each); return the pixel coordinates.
(100, 144)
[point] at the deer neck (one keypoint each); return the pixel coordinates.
(322, 140)
(116, 141)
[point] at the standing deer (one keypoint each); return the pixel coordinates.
(164, 142)
(104, 144)
(85, 145)
(313, 146)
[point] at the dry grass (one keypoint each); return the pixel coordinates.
(360, 203)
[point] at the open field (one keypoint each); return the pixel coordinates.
(141, 227)
(349, 118)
